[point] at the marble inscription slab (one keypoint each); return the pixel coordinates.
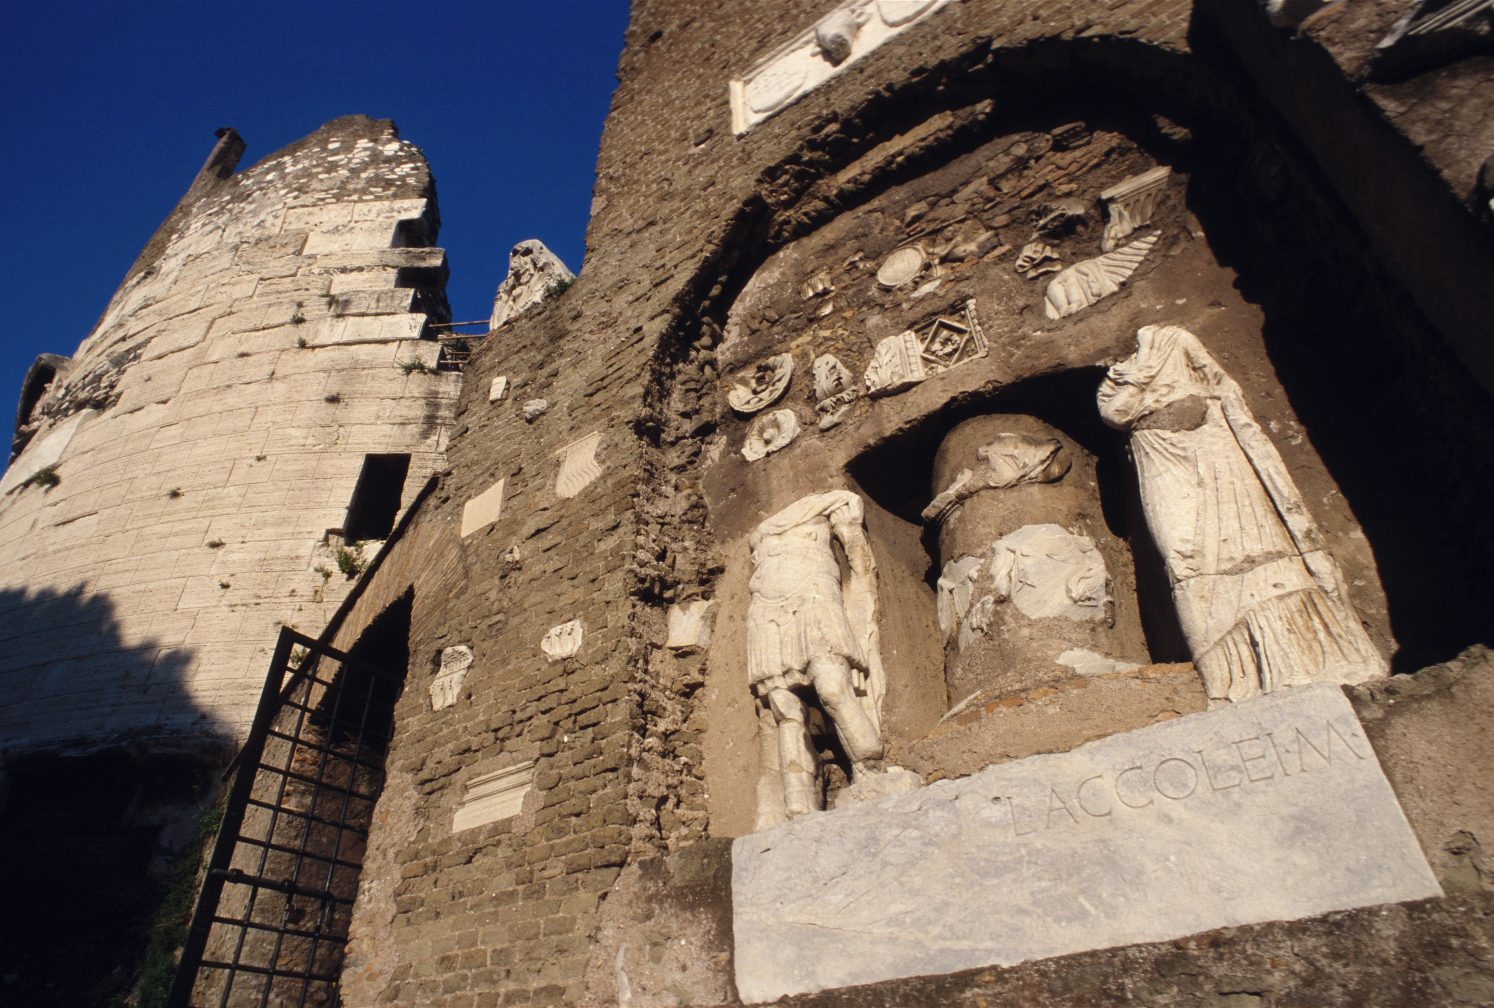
(1272, 809)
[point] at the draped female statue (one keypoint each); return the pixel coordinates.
(1260, 600)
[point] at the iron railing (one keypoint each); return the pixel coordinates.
(272, 919)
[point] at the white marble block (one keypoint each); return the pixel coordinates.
(483, 509)
(494, 796)
(498, 390)
(690, 626)
(1275, 809)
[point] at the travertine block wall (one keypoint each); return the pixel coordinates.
(208, 437)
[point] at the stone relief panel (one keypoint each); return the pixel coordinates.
(810, 627)
(447, 685)
(1262, 603)
(578, 465)
(562, 641)
(850, 31)
(1084, 283)
(904, 360)
(493, 796)
(768, 433)
(763, 386)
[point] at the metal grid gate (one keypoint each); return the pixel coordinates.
(272, 919)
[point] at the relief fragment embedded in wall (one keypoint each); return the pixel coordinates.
(1084, 283)
(850, 31)
(1131, 203)
(562, 641)
(768, 433)
(834, 389)
(578, 465)
(763, 386)
(447, 685)
(904, 360)
(1261, 602)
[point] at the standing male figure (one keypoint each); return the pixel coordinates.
(809, 627)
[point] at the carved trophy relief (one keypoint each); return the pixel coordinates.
(902, 361)
(446, 687)
(835, 389)
(769, 432)
(1024, 578)
(1261, 602)
(809, 627)
(763, 386)
(1084, 283)
(1046, 571)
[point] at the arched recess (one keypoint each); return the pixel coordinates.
(1253, 254)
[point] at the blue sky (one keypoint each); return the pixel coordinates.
(111, 106)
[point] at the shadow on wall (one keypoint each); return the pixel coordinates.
(89, 822)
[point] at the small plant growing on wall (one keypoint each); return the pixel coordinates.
(333, 398)
(558, 288)
(215, 544)
(45, 478)
(325, 572)
(298, 318)
(414, 366)
(174, 493)
(297, 656)
(301, 342)
(351, 561)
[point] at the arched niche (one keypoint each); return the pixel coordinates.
(920, 235)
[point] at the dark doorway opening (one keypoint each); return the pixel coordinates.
(376, 498)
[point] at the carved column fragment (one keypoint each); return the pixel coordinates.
(1028, 570)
